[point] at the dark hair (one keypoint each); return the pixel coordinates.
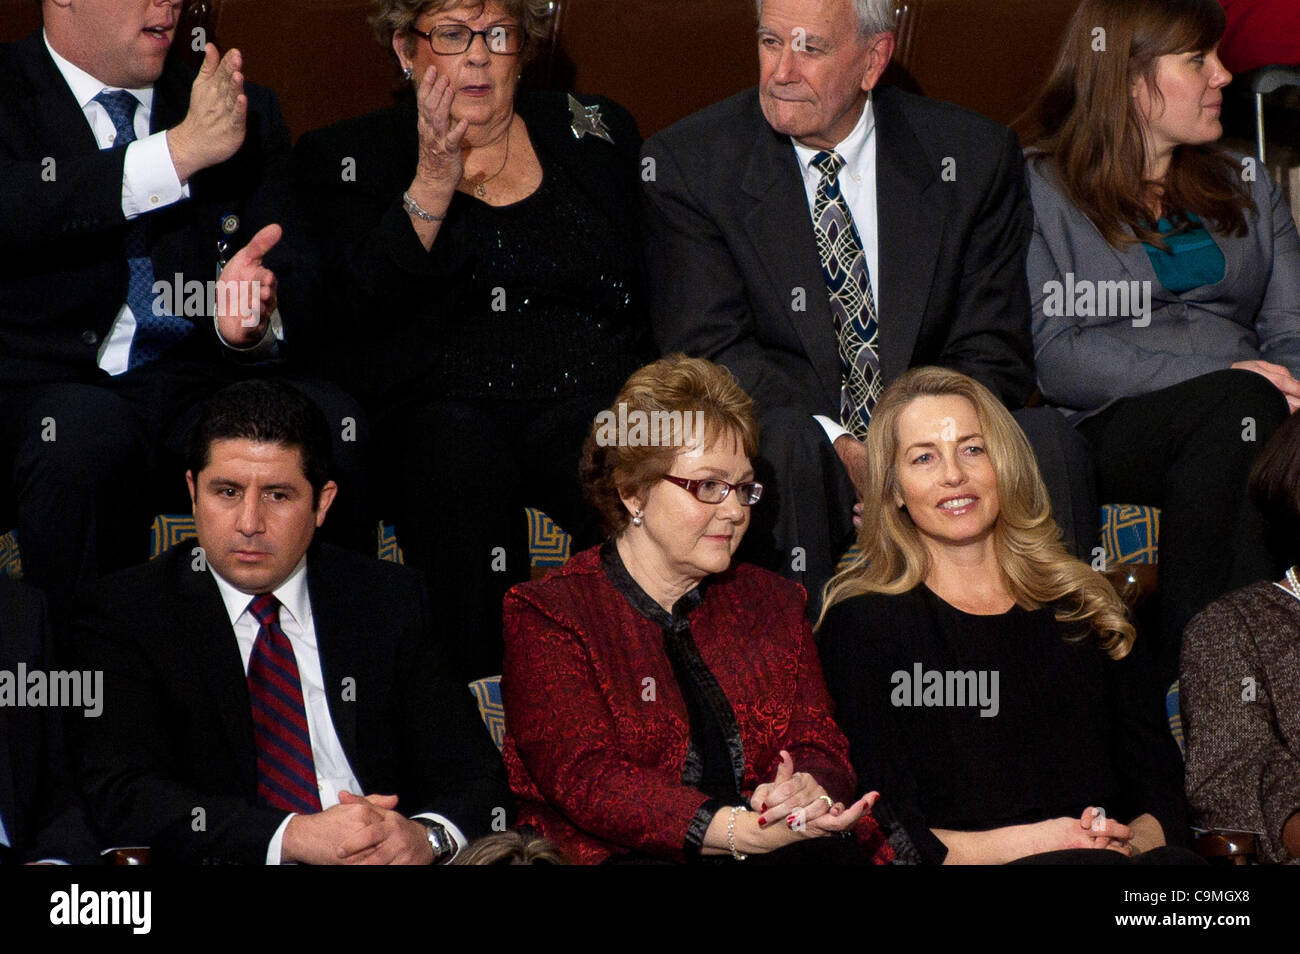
(1090, 131)
(1275, 488)
(265, 412)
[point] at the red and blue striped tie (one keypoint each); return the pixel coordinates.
(286, 772)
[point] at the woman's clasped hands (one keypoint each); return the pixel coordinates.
(793, 802)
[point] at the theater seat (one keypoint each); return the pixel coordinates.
(662, 59)
(990, 56)
(487, 693)
(320, 56)
(18, 18)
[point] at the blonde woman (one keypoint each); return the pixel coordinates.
(975, 665)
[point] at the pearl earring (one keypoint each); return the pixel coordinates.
(407, 73)
(637, 519)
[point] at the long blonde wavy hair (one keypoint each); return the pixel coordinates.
(893, 557)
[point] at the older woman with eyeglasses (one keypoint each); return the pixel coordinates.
(484, 249)
(663, 704)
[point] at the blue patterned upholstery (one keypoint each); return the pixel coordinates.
(548, 545)
(1129, 534)
(169, 529)
(11, 563)
(388, 548)
(487, 693)
(1175, 716)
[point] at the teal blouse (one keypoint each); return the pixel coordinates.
(1193, 258)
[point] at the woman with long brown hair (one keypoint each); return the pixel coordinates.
(1164, 274)
(976, 666)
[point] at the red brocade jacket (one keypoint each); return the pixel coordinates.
(597, 729)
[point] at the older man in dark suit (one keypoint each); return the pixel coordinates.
(819, 235)
(131, 185)
(270, 700)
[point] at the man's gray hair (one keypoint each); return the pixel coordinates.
(874, 16)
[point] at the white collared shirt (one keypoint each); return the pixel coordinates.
(149, 181)
(858, 185)
(333, 772)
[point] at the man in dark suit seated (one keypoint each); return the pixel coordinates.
(819, 235)
(41, 819)
(256, 685)
(130, 184)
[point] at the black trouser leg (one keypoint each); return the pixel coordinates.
(1188, 450)
(804, 522)
(1065, 462)
(78, 456)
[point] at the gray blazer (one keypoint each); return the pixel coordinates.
(1087, 362)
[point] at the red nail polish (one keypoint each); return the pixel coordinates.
(761, 821)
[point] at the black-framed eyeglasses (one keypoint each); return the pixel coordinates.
(714, 491)
(451, 40)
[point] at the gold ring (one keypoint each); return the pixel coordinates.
(830, 803)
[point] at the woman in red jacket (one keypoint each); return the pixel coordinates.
(662, 704)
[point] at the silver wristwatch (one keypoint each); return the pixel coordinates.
(444, 846)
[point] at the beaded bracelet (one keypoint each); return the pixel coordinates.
(731, 833)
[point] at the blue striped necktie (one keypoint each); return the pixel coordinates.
(844, 266)
(154, 334)
(286, 770)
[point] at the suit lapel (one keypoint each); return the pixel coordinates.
(171, 98)
(49, 104)
(202, 619)
(590, 162)
(780, 227)
(337, 626)
(909, 227)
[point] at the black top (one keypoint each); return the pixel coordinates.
(1062, 727)
(543, 298)
(715, 759)
(544, 306)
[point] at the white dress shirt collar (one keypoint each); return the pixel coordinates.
(85, 87)
(850, 148)
(292, 594)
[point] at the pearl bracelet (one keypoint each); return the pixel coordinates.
(731, 833)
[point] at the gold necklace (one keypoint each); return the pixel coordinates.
(480, 184)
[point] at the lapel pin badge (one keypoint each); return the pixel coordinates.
(586, 119)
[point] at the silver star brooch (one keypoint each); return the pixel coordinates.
(586, 119)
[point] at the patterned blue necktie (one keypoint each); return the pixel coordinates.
(844, 266)
(154, 334)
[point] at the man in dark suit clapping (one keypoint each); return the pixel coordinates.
(140, 266)
(267, 699)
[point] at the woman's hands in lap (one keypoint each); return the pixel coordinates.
(796, 801)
